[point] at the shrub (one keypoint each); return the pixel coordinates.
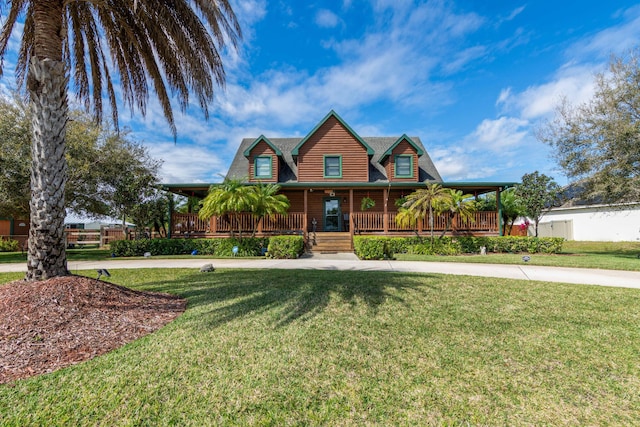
(511, 244)
(402, 245)
(9, 245)
(443, 246)
(216, 247)
(251, 246)
(372, 247)
(285, 247)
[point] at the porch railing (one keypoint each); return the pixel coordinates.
(375, 222)
(364, 222)
(187, 224)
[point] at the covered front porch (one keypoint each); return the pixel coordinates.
(320, 208)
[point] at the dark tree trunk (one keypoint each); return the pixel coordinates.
(47, 85)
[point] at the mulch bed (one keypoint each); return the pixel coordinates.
(51, 324)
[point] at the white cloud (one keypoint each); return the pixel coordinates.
(462, 58)
(517, 11)
(326, 19)
(616, 39)
(575, 83)
(504, 96)
(500, 134)
(187, 163)
(457, 164)
(575, 79)
(374, 68)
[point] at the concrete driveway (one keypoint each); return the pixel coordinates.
(628, 279)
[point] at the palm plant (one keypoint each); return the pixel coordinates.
(511, 208)
(267, 202)
(229, 199)
(424, 202)
(171, 45)
(459, 204)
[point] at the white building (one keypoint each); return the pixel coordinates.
(91, 223)
(611, 223)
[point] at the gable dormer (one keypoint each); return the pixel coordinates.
(332, 152)
(263, 158)
(400, 161)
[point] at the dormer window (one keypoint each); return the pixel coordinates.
(262, 167)
(333, 166)
(403, 166)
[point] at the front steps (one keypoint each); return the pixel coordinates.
(330, 242)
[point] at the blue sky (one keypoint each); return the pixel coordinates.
(472, 79)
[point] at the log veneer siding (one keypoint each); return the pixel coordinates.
(404, 148)
(262, 149)
(333, 139)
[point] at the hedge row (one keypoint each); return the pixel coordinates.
(217, 247)
(374, 247)
(285, 247)
(9, 245)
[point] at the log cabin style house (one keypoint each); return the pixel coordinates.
(325, 176)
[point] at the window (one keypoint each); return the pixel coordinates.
(333, 166)
(404, 166)
(262, 167)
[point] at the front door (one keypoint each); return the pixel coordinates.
(331, 215)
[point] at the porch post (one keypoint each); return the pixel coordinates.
(213, 224)
(305, 219)
(170, 197)
(499, 211)
(385, 215)
(351, 215)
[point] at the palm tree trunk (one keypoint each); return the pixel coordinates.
(47, 85)
(431, 224)
(448, 224)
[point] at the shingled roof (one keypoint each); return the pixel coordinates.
(239, 168)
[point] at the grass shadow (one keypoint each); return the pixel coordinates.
(295, 295)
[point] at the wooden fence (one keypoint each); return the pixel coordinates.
(100, 238)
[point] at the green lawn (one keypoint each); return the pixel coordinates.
(607, 255)
(72, 255)
(301, 347)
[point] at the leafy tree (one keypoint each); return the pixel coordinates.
(98, 158)
(424, 202)
(598, 143)
(14, 158)
(174, 46)
(151, 213)
(459, 204)
(267, 202)
(486, 202)
(129, 176)
(538, 194)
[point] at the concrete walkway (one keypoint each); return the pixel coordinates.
(348, 261)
